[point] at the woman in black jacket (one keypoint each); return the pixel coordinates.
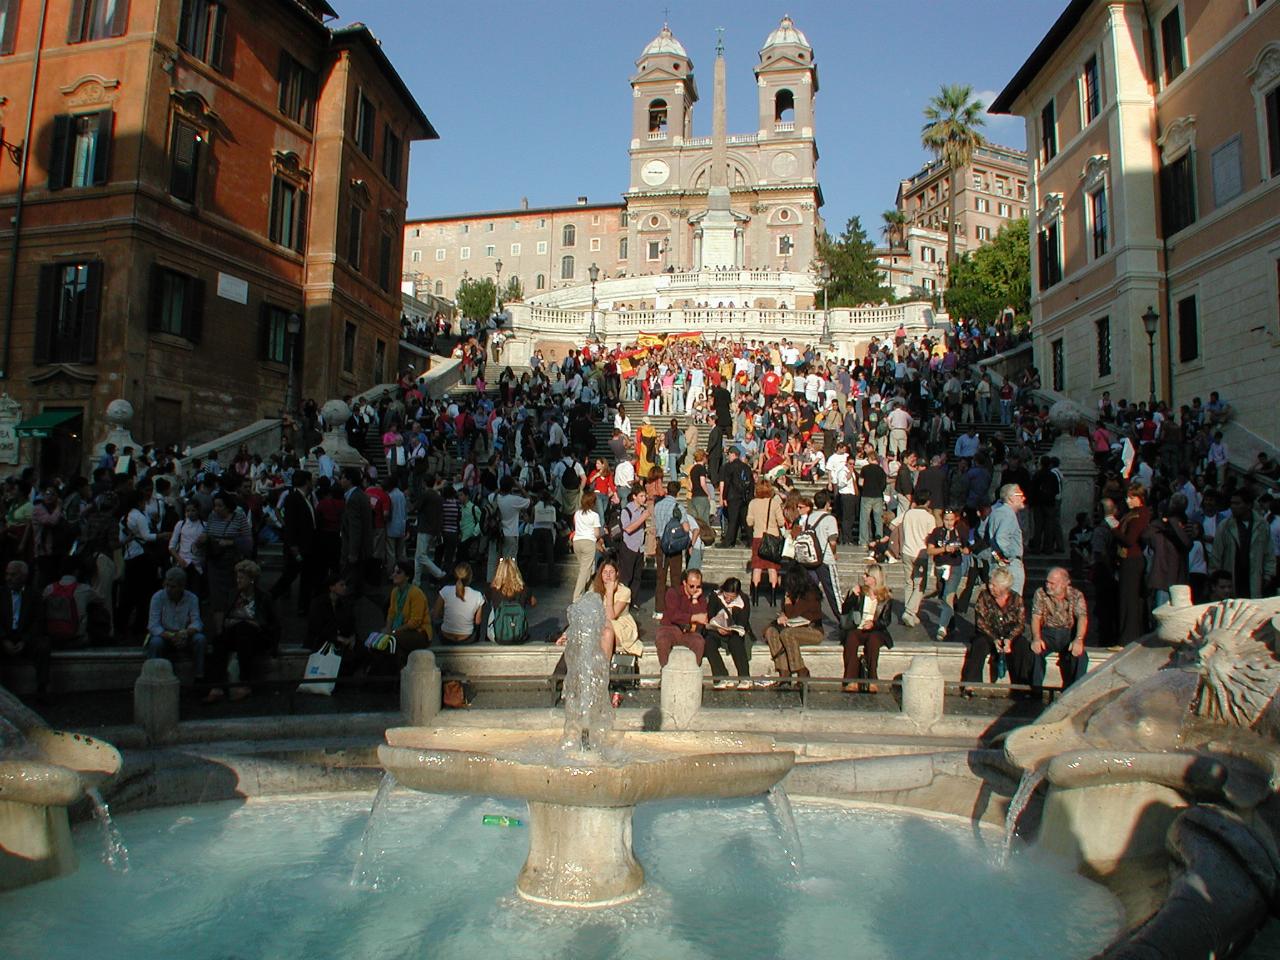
(1169, 539)
(729, 623)
(867, 613)
(250, 629)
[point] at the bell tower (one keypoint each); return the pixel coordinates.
(787, 82)
(662, 94)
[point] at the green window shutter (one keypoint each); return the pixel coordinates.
(59, 168)
(102, 147)
(46, 312)
(92, 311)
(193, 322)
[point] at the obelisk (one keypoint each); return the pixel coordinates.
(719, 247)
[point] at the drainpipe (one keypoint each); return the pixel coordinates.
(1164, 236)
(16, 220)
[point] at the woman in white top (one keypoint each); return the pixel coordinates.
(586, 539)
(622, 422)
(186, 546)
(459, 609)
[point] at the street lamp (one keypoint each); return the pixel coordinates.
(292, 327)
(594, 273)
(824, 271)
(1150, 323)
(497, 290)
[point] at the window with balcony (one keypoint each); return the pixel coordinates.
(1102, 333)
(569, 235)
(1099, 224)
(1059, 365)
(97, 20)
(8, 25)
(1178, 193)
(201, 30)
(566, 268)
(366, 123)
(1188, 330)
(1049, 253)
(1172, 51)
(184, 160)
(297, 91)
(81, 146)
(391, 156)
(1048, 133)
(67, 311)
(288, 222)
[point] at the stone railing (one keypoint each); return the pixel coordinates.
(741, 286)
(445, 372)
(261, 437)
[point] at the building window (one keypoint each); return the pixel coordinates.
(8, 25)
(297, 91)
(982, 204)
(595, 219)
(440, 254)
(1271, 109)
(622, 248)
(1102, 329)
(540, 282)
(349, 348)
(81, 145)
(658, 118)
(1098, 222)
(201, 29)
(1178, 193)
(977, 181)
(488, 227)
(542, 223)
(1050, 256)
(542, 246)
(1171, 49)
(379, 361)
(184, 161)
(1188, 330)
(466, 228)
(982, 233)
(566, 268)
(515, 250)
(386, 252)
(177, 304)
(623, 218)
(355, 234)
(416, 256)
(928, 254)
(928, 285)
(67, 312)
(1022, 190)
(594, 243)
(1002, 187)
(288, 215)
(366, 122)
(439, 288)
(785, 245)
(273, 334)
(391, 156)
(1092, 92)
(1059, 364)
(1048, 134)
(569, 235)
(97, 19)
(653, 251)
(464, 253)
(1004, 210)
(490, 250)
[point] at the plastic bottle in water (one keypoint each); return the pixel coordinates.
(498, 820)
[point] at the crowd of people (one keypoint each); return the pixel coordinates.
(910, 453)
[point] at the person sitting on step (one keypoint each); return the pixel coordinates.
(799, 624)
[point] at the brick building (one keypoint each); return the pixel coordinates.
(194, 175)
(1155, 131)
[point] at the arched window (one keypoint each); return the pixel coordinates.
(566, 268)
(658, 117)
(540, 281)
(439, 288)
(569, 235)
(784, 107)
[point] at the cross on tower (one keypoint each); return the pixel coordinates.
(719, 40)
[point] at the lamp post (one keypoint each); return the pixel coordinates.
(824, 271)
(1150, 323)
(497, 289)
(594, 273)
(292, 327)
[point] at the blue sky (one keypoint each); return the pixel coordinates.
(531, 99)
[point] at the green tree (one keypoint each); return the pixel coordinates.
(513, 289)
(993, 277)
(855, 274)
(950, 131)
(894, 229)
(476, 298)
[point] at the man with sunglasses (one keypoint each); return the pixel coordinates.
(684, 618)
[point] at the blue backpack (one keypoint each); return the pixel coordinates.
(675, 538)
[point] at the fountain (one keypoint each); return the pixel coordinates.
(42, 772)
(582, 787)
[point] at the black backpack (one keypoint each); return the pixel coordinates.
(491, 518)
(569, 479)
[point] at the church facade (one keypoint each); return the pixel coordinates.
(748, 201)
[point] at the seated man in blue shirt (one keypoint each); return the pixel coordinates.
(174, 623)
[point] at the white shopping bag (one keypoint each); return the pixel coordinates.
(321, 665)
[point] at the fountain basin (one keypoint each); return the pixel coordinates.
(580, 807)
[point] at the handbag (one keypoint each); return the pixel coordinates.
(772, 548)
(321, 665)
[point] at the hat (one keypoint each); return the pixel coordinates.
(647, 422)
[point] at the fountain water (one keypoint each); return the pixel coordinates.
(366, 860)
(779, 806)
(1031, 779)
(114, 852)
(583, 787)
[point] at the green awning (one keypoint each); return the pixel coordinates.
(43, 424)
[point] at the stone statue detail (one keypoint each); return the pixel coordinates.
(1239, 673)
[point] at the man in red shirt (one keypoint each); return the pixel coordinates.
(684, 618)
(769, 384)
(381, 505)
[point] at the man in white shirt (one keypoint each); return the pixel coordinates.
(843, 484)
(900, 422)
(826, 575)
(624, 475)
(510, 503)
(917, 523)
(556, 436)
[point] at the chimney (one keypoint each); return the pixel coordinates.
(582, 201)
(524, 203)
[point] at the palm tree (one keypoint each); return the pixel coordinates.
(950, 131)
(894, 222)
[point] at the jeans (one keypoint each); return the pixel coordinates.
(423, 557)
(677, 398)
(160, 647)
(1028, 667)
(949, 587)
(1006, 412)
(916, 581)
(870, 511)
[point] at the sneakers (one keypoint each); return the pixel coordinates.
(657, 615)
(744, 684)
(910, 620)
(941, 635)
(723, 685)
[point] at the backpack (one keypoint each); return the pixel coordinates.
(808, 548)
(491, 518)
(61, 615)
(569, 479)
(675, 538)
(741, 481)
(510, 623)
